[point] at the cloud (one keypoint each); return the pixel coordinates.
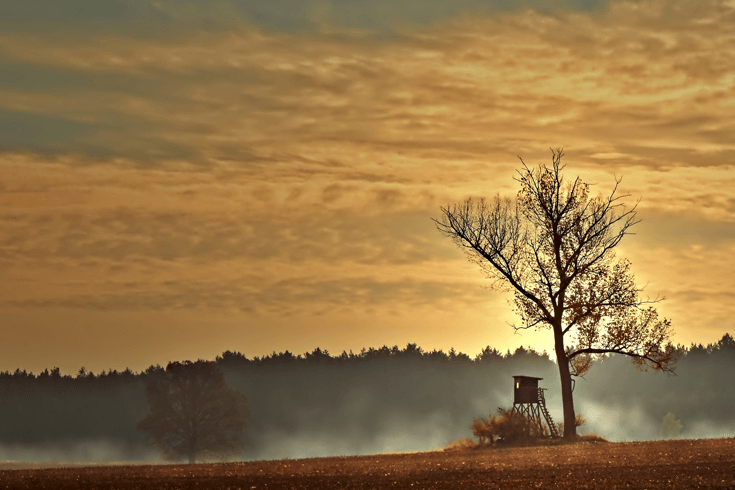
(267, 253)
(209, 98)
(38, 133)
(287, 296)
(156, 17)
(250, 155)
(681, 230)
(283, 233)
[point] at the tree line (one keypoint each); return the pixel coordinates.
(389, 400)
(318, 355)
(412, 352)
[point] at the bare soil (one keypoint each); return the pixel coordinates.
(679, 464)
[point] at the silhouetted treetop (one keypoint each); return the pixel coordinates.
(194, 412)
(412, 352)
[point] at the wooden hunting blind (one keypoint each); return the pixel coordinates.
(529, 401)
(526, 389)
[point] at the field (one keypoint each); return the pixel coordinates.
(680, 464)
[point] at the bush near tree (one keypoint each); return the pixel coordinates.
(509, 427)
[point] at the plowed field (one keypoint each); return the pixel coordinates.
(685, 464)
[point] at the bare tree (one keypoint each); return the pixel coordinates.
(553, 248)
(194, 412)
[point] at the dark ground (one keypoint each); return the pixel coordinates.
(679, 464)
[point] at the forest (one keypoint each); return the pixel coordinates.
(384, 399)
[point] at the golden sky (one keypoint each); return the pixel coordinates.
(179, 178)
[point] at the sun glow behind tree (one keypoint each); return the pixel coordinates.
(553, 247)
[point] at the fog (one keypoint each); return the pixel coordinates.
(624, 404)
(99, 450)
(381, 400)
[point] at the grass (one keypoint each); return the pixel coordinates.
(592, 438)
(462, 444)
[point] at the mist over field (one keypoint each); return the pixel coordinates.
(380, 400)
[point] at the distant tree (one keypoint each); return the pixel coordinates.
(554, 248)
(318, 356)
(726, 343)
(458, 356)
(436, 356)
(44, 375)
(284, 357)
(194, 412)
(382, 353)
(489, 355)
(412, 350)
(154, 369)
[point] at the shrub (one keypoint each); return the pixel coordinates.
(507, 427)
(578, 422)
(512, 427)
(592, 438)
(465, 443)
(483, 430)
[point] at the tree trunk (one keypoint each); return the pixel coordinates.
(570, 428)
(192, 449)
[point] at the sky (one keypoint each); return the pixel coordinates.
(180, 178)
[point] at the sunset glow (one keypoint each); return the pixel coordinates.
(180, 180)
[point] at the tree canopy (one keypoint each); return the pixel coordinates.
(194, 412)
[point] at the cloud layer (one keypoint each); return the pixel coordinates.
(158, 156)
